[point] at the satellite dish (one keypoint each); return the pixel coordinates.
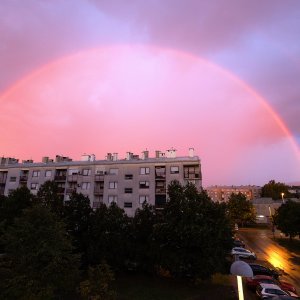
(241, 268)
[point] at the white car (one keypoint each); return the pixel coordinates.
(268, 291)
(243, 253)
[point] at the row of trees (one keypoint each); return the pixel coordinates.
(55, 250)
(275, 190)
(287, 218)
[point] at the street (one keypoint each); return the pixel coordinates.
(271, 254)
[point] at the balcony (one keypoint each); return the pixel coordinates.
(60, 177)
(70, 190)
(73, 178)
(23, 178)
(99, 177)
(98, 190)
(160, 191)
(2, 180)
(2, 190)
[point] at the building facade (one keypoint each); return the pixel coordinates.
(129, 182)
(222, 193)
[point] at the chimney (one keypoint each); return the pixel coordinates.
(157, 154)
(191, 152)
(109, 156)
(171, 153)
(115, 157)
(129, 155)
(45, 159)
(145, 154)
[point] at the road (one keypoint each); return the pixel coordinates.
(270, 253)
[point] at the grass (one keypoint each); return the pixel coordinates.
(142, 287)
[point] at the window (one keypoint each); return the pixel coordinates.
(35, 173)
(174, 170)
(113, 185)
(191, 172)
(48, 173)
(85, 185)
(144, 171)
(160, 172)
(144, 184)
(34, 186)
(128, 190)
(128, 176)
(86, 172)
(113, 171)
(13, 179)
(128, 204)
(143, 198)
(112, 198)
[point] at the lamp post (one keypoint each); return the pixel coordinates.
(241, 268)
(282, 194)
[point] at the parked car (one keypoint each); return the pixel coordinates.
(262, 270)
(253, 282)
(268, 291)
(238, 243)
(283, 297)
(243, 253)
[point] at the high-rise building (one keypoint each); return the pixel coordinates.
(129, 182)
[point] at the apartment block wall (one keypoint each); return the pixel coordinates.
(222, 193)
(127, 182)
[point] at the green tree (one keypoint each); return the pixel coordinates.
(109, 236)
(141, 235)
(98, 285)
(240, 210)
(193, 236)
(48, 195)
(13, 205)
(77, 216)
(38, 261)
(287, 218)
(274, 190)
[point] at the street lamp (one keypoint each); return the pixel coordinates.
(282, 194)
(241, 268)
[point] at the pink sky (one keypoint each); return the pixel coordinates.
(100, 76)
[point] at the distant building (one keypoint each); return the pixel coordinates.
(129, 182)
(222, 193)
(265, 208)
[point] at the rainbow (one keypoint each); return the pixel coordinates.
(283, 127)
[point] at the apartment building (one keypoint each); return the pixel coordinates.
(129, 182)
(222, 193)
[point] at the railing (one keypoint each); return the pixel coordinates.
(160, 190)
(23, 178)
(60, 177)
(99, 177)
(73, 178)
(98, 191)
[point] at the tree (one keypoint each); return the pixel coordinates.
(193, 236)
(141, 235)
(98, 284)
(240, 210)
(109, 236)
(48, 195)
(287, 218)
(77, 216)
(38, 261)
(13, 205)
(274, 190)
